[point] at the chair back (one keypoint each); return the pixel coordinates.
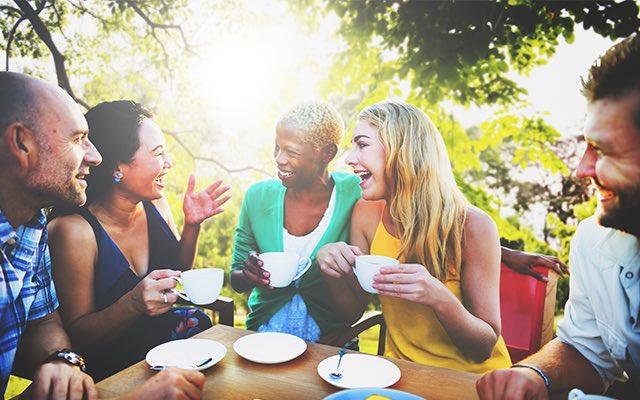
(527, 308)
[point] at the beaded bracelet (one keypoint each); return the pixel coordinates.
(545, 378)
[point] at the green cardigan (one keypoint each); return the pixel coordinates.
(260, 229)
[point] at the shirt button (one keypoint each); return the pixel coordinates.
(628, 275)
(11, 242)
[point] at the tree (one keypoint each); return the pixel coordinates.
(44, 17)
(156, 29)
(463, 50)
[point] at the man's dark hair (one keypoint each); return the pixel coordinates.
(616, 73)
(18, 101)
(113, 129)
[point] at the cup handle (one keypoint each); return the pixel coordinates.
(303, 260)
(180, 294)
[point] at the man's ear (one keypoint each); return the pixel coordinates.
(329, 152)
(20, 143)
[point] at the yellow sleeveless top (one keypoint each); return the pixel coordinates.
(413, 330)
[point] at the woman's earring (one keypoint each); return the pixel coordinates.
(117, 177)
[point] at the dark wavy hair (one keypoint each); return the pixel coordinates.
(616, 73)
(113, 129)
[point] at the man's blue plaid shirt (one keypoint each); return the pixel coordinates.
(26, 288)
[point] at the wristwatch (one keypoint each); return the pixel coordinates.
(69, 357)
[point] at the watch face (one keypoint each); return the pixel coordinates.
(72, 358)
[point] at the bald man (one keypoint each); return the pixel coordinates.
(45, 155)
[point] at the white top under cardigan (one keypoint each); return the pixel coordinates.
(293, 317)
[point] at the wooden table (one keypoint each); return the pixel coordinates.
(236, 378)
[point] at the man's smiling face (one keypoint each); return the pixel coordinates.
(612, 160)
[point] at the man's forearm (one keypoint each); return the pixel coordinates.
(566, 368)
(41, 338)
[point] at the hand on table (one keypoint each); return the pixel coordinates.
(337, 259)
(512, 384)
(59, 380)
(197, 207)
(148, 296)
(170, 384)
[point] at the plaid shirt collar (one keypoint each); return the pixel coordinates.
(16, 257)
(7, 232)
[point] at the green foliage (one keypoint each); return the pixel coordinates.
(463, 50)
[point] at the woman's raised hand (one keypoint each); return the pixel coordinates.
(337, 259)
(197, 207)
(153, 295)
(253, 271)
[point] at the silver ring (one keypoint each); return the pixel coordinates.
(164, 298)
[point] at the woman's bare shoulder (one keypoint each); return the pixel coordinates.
(480, 236)
(479, 223)
(71, 228)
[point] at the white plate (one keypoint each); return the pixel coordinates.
(187, 353)
(269, 347)
(360, 371)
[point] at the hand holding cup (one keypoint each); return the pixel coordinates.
(152, 295)
(337, 259)
(254, 273)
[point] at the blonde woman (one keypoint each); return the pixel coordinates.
(441, 303)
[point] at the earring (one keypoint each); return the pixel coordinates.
(117, 177)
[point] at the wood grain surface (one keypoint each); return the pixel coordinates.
(237, 378)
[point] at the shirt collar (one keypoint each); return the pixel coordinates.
(622, 247)
(39, 221)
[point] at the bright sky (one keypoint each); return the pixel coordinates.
(554, 88)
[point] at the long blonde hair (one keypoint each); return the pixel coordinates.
(426, 205)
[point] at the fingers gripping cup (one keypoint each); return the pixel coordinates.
(284, 267)
(201, 286)
(367, 266)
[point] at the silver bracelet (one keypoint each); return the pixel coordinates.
(545, 378)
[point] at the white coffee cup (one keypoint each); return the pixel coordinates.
(367, 266)
(283, 267)
(201, 286)
(577, 394)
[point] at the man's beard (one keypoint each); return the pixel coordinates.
(53, 188)
(624, 215)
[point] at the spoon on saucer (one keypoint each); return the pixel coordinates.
(195, 366)
(337, 374)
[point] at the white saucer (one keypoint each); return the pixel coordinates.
(269, 347)
(360, 371)
(187, 354)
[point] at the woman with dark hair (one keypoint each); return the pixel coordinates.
(115, 258)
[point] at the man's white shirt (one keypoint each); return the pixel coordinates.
(601, 315)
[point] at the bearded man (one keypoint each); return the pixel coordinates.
(599, 338)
